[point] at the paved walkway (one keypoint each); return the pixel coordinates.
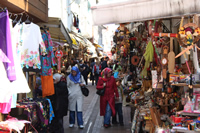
(93, 122)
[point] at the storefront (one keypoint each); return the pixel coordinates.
(26, 50)
(163, 89)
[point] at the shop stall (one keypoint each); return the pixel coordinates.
(161, 89)
(27, 59)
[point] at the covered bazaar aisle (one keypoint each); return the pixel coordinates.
(93, 122)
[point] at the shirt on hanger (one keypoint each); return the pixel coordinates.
(28, 45)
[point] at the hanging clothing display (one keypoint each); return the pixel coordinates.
(5, 91)
(20, 85)
(28, 44)
(5, 86)
(5, 44)
(47, 88)
(47, 62)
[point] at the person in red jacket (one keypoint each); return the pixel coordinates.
(107, 101)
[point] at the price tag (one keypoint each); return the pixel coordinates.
(59, 55)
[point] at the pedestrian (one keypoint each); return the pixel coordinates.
(118, 105)
(59, 103)
(74, 82)
(85, 70)
(102, 59)
(96, 71)
(68, 68)
(116, 69)
(91, 74)
(105, 63)
(107, 101)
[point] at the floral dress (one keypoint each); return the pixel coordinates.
(49, 60)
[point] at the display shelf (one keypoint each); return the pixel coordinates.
(190, 114)
(184, 84)
(185, 131)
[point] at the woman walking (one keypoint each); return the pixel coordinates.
(74, 83)
(107, 101)
(59, 102)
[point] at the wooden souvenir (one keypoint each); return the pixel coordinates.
(165, 50)
(164, 73)
(171, 57)
(164, 61)
(135, 60)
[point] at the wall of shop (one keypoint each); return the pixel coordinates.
(37, 9)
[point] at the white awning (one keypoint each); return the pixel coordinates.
(141, 10)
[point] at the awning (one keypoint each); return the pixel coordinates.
(97, 45)
(73, 39)
(79, 38)
(57, 30)
(141, 10)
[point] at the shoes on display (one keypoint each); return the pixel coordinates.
(71, 125)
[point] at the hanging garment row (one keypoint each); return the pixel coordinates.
(27, 49)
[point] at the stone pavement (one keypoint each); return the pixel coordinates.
(93, 122)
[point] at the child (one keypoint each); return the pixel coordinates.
(118, 105)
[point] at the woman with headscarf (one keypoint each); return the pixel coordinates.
(59, 102)
(74, 83)
(107, 101)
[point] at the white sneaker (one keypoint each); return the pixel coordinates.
(81, 126)
(71, 125)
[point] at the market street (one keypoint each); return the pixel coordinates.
(93, 122)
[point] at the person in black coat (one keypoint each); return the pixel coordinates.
(59, 102)
(85, 71)
(105, 63)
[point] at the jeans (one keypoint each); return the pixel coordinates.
(79, 117)
(96, 78)
(118, 109)
(108, 114)
(85, 78)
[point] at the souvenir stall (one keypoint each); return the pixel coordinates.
(25, 48)
(163, 92)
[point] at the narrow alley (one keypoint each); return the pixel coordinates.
(93, 122)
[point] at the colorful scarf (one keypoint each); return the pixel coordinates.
(76, 78)
(104, 74)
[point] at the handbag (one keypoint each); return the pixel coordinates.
(85, 90)
(101, 92)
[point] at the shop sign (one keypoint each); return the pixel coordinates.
(59, 55)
